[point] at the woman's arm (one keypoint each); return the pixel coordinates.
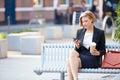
(77, 43)
(100, 49)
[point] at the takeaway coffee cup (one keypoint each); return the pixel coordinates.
(92, 46)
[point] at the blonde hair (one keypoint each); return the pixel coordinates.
(88, 14)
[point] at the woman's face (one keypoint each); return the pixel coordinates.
(86, 22)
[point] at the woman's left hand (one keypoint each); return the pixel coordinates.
(95, 52)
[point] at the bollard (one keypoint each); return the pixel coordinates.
(8, 24)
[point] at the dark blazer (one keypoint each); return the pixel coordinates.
(98, 38)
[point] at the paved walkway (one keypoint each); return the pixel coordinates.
(20, 67)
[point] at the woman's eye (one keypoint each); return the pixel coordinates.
(84, 21)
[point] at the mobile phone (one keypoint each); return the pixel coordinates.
(75, 39)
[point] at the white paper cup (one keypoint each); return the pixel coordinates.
(92, 46)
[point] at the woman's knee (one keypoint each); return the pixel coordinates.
(74, 54)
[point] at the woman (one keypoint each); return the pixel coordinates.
(94, 8)
(83, 7)
(70, 13)
(82, 56)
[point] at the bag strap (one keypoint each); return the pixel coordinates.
(111, 51)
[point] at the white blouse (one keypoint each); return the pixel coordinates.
(87, 39)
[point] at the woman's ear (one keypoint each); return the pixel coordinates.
(91, 20)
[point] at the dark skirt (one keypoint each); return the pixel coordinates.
(88, 60)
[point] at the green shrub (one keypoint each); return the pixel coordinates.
(2, 36)
(117, 21)
(117, 34)
(23, 30)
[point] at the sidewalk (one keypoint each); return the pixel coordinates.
(20, 67)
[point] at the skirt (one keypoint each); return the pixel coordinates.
(88, 60)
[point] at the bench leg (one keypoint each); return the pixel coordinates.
(62, 76)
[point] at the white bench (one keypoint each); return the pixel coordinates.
(39, 22)
(54, 56)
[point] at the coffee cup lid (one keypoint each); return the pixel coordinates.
(93, 43)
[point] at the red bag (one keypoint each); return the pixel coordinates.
(111, 60)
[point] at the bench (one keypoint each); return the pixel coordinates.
(54, 56)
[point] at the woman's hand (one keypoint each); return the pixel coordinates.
(77, 43)
(95, 52)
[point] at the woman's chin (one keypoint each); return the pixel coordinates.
(85, 27)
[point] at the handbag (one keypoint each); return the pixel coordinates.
(111, 60)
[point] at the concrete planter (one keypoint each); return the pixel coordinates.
(3, 48)
(70, 31)
(31, 45)
(53, 33)
(14, 42)
(14, 39)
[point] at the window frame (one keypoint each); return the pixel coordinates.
(89, 5)
(40, 3)
(66, 4)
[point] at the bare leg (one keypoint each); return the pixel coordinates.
(75, 64)
(70, 76)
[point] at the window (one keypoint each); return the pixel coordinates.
(38, 3)
(64, 2)
(88, 3)
(51, 3)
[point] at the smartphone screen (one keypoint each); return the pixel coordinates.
(74, 39)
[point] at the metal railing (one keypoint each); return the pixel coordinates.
(113, 25)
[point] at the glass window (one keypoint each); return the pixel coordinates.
(64, 3)
(47, 3)
(38, 3)
(88, 3)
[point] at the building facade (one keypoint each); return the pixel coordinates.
(25, 10)
(2, 11)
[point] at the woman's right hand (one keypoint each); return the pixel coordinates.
(77, 43)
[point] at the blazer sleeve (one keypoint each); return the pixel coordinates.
(102, 48)
(78, 36)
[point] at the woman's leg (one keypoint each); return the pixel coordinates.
(70, 76)
(75, 64)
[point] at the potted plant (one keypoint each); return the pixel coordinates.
(2, 36)
(117, 21)
(3, 45)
